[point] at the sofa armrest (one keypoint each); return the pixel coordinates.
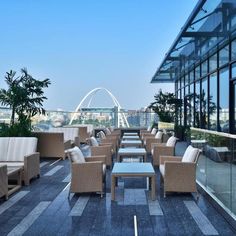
(31, 166)
(163, 159)
(101, 158)
(180, 171)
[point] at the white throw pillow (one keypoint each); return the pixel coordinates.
(94, 142)
(102, 135)
(76, 155)
(159, 135)
(107, 131)
(190, 154)
(154, 130)
(171, 141)
(149, 128)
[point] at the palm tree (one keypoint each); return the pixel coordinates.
(24, 95)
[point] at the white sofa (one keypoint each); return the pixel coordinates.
(21, 152)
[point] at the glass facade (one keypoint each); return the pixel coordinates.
(207, 91)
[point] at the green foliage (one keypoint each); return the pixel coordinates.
(165, 105)
(24, 96)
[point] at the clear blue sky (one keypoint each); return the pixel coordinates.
(80, 45)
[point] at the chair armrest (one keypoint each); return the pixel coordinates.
(67, 144)
(101, 150)
(144, 136)
(163, 159)
(180, 171)
(150, 140)
(156, 145)
(101, 158)
(31, 166)
(77, 141)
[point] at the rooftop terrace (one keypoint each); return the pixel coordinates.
(42, 208)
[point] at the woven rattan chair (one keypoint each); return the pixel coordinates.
(179, 173)
(101, 149)
(166, 149)
(88, 175)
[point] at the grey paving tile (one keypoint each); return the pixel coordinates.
(29, 219)
(44, 163)
(203, 223)
(12, 200)
(53, 170)
(79, 206)
(154, 208)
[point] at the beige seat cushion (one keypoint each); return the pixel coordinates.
(162, 169)
(171, 141)
(76, 155)
(12, 164)
(190, 154)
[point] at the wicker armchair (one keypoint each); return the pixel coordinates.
(149, 134)
(166, 149)
(110, 139)
(148, 141)
(101, 149)
(179, 173)
(88, 175)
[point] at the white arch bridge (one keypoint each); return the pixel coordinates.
(121, 119)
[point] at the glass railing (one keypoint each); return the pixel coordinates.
(97, 117)
(216, 169)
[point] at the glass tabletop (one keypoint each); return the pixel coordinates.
(132, 151)
(133, 168)
(131, 141)
(131, 137)
(130, 134)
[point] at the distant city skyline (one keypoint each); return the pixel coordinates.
(81, 45)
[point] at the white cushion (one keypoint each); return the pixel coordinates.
(159, 135)
(190, 154)
(21, 146)
(154, 130)
(94, 142)
(101, 135)
(149, 128)
(171, 141)
(76, 155)
(107, 131)
(4, 142)
(162, 169)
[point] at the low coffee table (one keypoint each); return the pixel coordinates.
(133, 170)
(131, 137)
(131, 152)
(131, 143)
(130, 134)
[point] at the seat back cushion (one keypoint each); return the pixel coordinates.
(190, 154)
(21, 146)
(159, 135)
(171, 141)
(154, 130)
(107, 131)
(76, 155)
(149, 128)
(4, 142)
(93, 142)
(101, 135)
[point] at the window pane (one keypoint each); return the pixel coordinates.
(204, 104)
(224, 56)
(213, 101)
(191, 76)
(204, 68)
(213, 62)
(233, 50)
(197, 73)
(197, 104)
(224, 100)
(233, 70)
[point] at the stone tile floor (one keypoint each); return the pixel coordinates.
(42, 208)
